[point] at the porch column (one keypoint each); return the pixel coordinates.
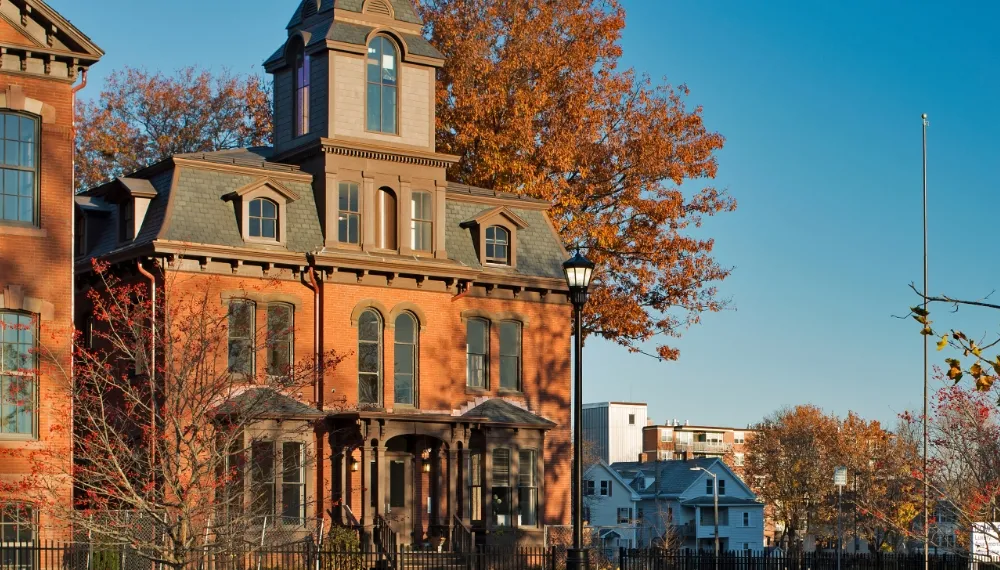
(697, 526)
(514, 481)
(488, 485)
(382, 473)
(434, 487)
(453, 465)
(466, 506)
(345, 466)
(366, 485)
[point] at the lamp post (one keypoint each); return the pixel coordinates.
(840, 480)
(715, 498)
(578, 270)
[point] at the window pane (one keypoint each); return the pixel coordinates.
(374, 63)
(405, 328)
(389, 110)
(510, 339)
(368, 389)
(13, 128)
(526, 468)
(27, 186)
(269, 209)
(368, 357)
(254, 227)
(476, 336)
(501, 467)
(500, 253)
(25, 210)
(368, 326)
(255, 208)
(27, 130)
(12, 153)
(27, 155)
(291, 456)
(268, 229)
(403, 389)
(344, 196)
(291, 503)
(354, 223)
(240, 319)
(262, 477)
(374, 107)
(403, 363)
(509, 373)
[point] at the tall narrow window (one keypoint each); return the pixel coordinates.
(381, 98)
(406, 357)
(349, 217)
(370, 358)
(232, 475)
(475, 471)
(501, 487)
(241, 337)
(263, 219)
(17, 373)
(497, 245)
(293, 483)
(280, 338)
(421, 221)
(527, 488)
(301, 93)
(722, 486)
(19, 169)
(80, 237)
(262, 478)
(385, 216)
(476, 349)
(510, 355)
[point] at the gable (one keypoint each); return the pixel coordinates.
(11, 34)
(38, 25)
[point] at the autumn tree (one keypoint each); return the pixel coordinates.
(533, 101)
(142, 117)
(171, 427)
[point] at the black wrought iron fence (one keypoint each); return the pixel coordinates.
(654, 559)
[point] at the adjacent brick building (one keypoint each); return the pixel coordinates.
(452, 408)
(42, 57)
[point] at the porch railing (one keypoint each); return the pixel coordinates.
(462, 537)
(384, 536)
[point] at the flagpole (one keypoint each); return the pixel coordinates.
(927, 530)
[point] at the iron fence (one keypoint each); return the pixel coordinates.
(653, 559)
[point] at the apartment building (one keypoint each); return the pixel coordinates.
(613, 430)
(43, 64)
(677, 440)
(453, 402)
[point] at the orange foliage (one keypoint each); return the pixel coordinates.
(141, 118)
(532, 100)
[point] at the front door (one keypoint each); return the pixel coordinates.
(399, 496)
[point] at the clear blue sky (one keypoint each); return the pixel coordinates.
(820, 105)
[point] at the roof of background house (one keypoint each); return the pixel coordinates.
(200, 212)
(670, 477)
(709, 500)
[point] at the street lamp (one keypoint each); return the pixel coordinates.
(715, 497)
(578, 270)
(840, 480)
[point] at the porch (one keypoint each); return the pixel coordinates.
(437, 481)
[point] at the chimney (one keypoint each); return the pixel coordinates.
(687, 423)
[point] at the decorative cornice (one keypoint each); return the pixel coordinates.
(435, 160)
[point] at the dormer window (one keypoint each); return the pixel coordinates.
(126, 220)
(381, 84)
(301, 91)
(421, 221)
(263, 219)
(497, 245)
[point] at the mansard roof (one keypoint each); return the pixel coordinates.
(193, 205)
(354, 34)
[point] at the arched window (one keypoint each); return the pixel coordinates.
(19, 168)
(382, 78)
(370, 358)
(17, 373)
(385, 217)
(497, 245)
(407, 355)
(263, 219)
(421, 221)
(301, 91)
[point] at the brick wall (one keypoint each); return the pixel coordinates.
(39, 261)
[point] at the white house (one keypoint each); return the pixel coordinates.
(672, 504)
(614, 429)
(610, 505)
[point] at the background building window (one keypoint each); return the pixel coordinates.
(293, 484)
(605, 488)
(722, 486)
(709, 486)
(527, 488)
(497, 245)
(588, 487)
(405, 360)
(746, 519)
(421, 221)
(382, 85)
(476, 345)
(263, 219)
(385, 218)
(738, 437)
(475, 471)
(738, 459)
(18, 369)
(624, 515)
(280, 338)
(301, 92)
(262, 478)
(370, 358)
(631, 419)
(501, 487)
(510, 355)
(241, 337)
(349, 216)
(19, 168)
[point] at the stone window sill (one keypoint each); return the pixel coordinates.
(19, 230)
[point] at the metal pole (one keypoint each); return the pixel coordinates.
(840, 531)
(926, 340)
(715, 497)
(577, 559)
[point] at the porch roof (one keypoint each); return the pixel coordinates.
(267, 403)
(495, 412)
(708, 501)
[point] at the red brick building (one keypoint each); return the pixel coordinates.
(43, 61)
(452, 407)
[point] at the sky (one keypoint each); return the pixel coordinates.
(820, 105)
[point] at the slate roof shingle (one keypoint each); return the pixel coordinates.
(501, 411)
(671, 477)
(267, 403)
